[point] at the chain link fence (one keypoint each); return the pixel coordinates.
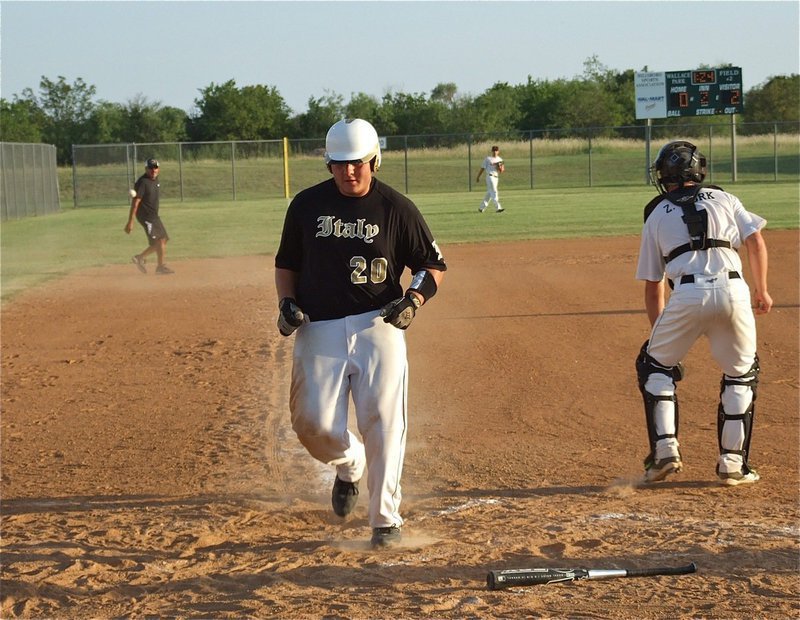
(417, 164)
(28, 180)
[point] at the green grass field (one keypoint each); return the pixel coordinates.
(35, 250)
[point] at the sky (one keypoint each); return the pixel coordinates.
(168, 51)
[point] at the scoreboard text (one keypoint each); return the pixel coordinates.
(704, 92)
(701, 92)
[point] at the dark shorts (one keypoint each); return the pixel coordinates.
(154, 229)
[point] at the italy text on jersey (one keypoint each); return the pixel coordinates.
(331, 226)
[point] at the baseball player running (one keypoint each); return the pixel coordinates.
(493, 166)
(691, 234)
(344, 247)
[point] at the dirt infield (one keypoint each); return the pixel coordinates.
(149, 469)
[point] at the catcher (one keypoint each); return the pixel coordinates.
(691, 233)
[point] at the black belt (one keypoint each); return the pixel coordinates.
(689, 279)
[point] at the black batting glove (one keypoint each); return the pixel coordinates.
(400, 312)
(290, 316)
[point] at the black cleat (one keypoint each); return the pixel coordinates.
(385, 536)
(344, 497)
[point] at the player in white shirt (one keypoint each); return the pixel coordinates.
(493, 166)
(690, 239)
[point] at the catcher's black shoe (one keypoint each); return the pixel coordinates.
(385, 536)
(658, 470)
(344, 497)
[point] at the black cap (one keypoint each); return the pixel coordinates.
(151, 163)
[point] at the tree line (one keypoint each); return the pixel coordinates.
(64, 114)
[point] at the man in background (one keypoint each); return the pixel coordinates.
(144, 207)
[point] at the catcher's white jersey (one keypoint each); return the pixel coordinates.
(717, 302)
(664, 230)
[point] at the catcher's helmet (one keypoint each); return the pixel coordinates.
(354, 141)
(677, 163)
(151, 163)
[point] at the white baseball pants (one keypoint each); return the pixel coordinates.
(491, 192)
(361, 357)
(718, 308)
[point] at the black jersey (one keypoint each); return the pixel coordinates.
(147, 189)
(350, 253)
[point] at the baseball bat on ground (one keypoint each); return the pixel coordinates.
(499, 579)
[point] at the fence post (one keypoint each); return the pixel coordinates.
(128, 175)
(180, 168)
(590, 160)
(405, 160)
(286, 167)
(233, 169)
(734, 167)
(775, 148)
(38, 196)
(530, 155)
(74, 180)
(648, 134)
(469, 162)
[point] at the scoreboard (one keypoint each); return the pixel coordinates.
(704, 92)
(699, 92)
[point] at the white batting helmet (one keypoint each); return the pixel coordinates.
(352, 140)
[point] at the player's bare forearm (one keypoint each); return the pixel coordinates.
(285, 282)
(757, 258)
(654, 300)
(132, 214)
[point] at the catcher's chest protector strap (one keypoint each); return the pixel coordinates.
(697, 223)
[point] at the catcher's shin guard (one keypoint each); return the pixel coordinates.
(737, 398)
(657, 385)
